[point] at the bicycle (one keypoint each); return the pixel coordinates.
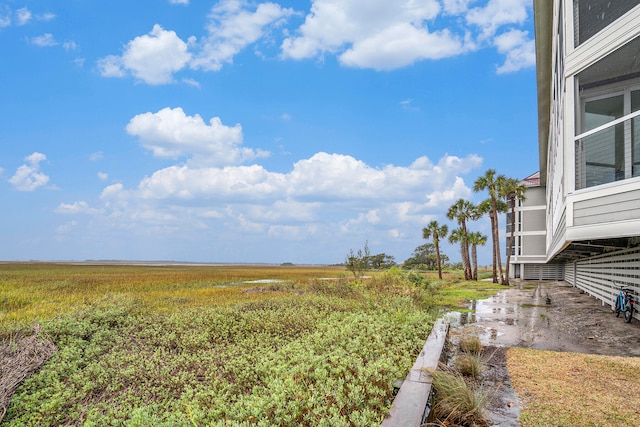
(625, 304)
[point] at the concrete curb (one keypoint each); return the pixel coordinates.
(409, 408)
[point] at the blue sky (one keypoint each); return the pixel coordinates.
(238, 131)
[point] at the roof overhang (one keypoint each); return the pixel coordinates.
(543, 22)
(588, 248)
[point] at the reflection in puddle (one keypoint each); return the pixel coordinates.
(496, 308)
(456, 318)
(507, 318)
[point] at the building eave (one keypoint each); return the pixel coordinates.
(543, 21)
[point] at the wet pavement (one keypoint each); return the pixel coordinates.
(545, 316)
(549, 316)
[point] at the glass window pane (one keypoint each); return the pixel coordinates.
(592, 16)
(604, 156)
(602, 111)
(603, 151)
(615, 68)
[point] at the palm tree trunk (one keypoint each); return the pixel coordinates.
(496, 243)
(465, 261)
(465, 252)
(498, 253)
(493, 246)
(438, 259)
(474, 254)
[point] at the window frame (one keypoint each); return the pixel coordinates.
(624, 88)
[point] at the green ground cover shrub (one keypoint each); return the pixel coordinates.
(322, 355)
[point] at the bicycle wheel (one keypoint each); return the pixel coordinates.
(617, 309)
(628, 313)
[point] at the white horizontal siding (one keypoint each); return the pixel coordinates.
(610, 208)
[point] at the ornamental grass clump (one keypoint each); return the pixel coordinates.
(469, 360)
(458, 401)
(469, 364)
(470, 344)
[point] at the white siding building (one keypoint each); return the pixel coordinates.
(528, 255)
(588, 75)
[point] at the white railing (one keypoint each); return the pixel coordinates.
(608, 152)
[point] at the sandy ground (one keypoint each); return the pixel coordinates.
(547, 316)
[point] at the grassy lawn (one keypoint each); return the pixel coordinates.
(570, 389)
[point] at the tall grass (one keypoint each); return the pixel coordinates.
(32, 292)
(458, 401)
(306, 352)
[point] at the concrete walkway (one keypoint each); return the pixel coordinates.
(521, 316)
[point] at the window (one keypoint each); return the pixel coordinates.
(608, 145)
(516, 248)
(603, 152)
(592, 16)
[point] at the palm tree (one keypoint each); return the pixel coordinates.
(458, 236)
(484, 208)
(463, 211)
(436, 231)
(490, 182)
(476, 238)
(511, 190)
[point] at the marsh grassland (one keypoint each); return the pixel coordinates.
(214, 345)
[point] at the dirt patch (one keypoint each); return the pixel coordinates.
(21, 356)
(548, 316)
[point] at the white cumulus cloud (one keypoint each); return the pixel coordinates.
(399, 46)
(45, 40)
(519, 49)
(28, 176)
(327, 201)
(496, 13)
(152, 58)
(311, 186)
(232, 27)
(23, 16)
(170, 133)
(5, 16)
(372, 33)
(75, 208)
(385, 35)
(375, 34)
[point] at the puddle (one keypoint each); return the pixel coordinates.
(264, 281)
(512, 317)
(552, 316)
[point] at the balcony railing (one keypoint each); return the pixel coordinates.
(608, 153)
